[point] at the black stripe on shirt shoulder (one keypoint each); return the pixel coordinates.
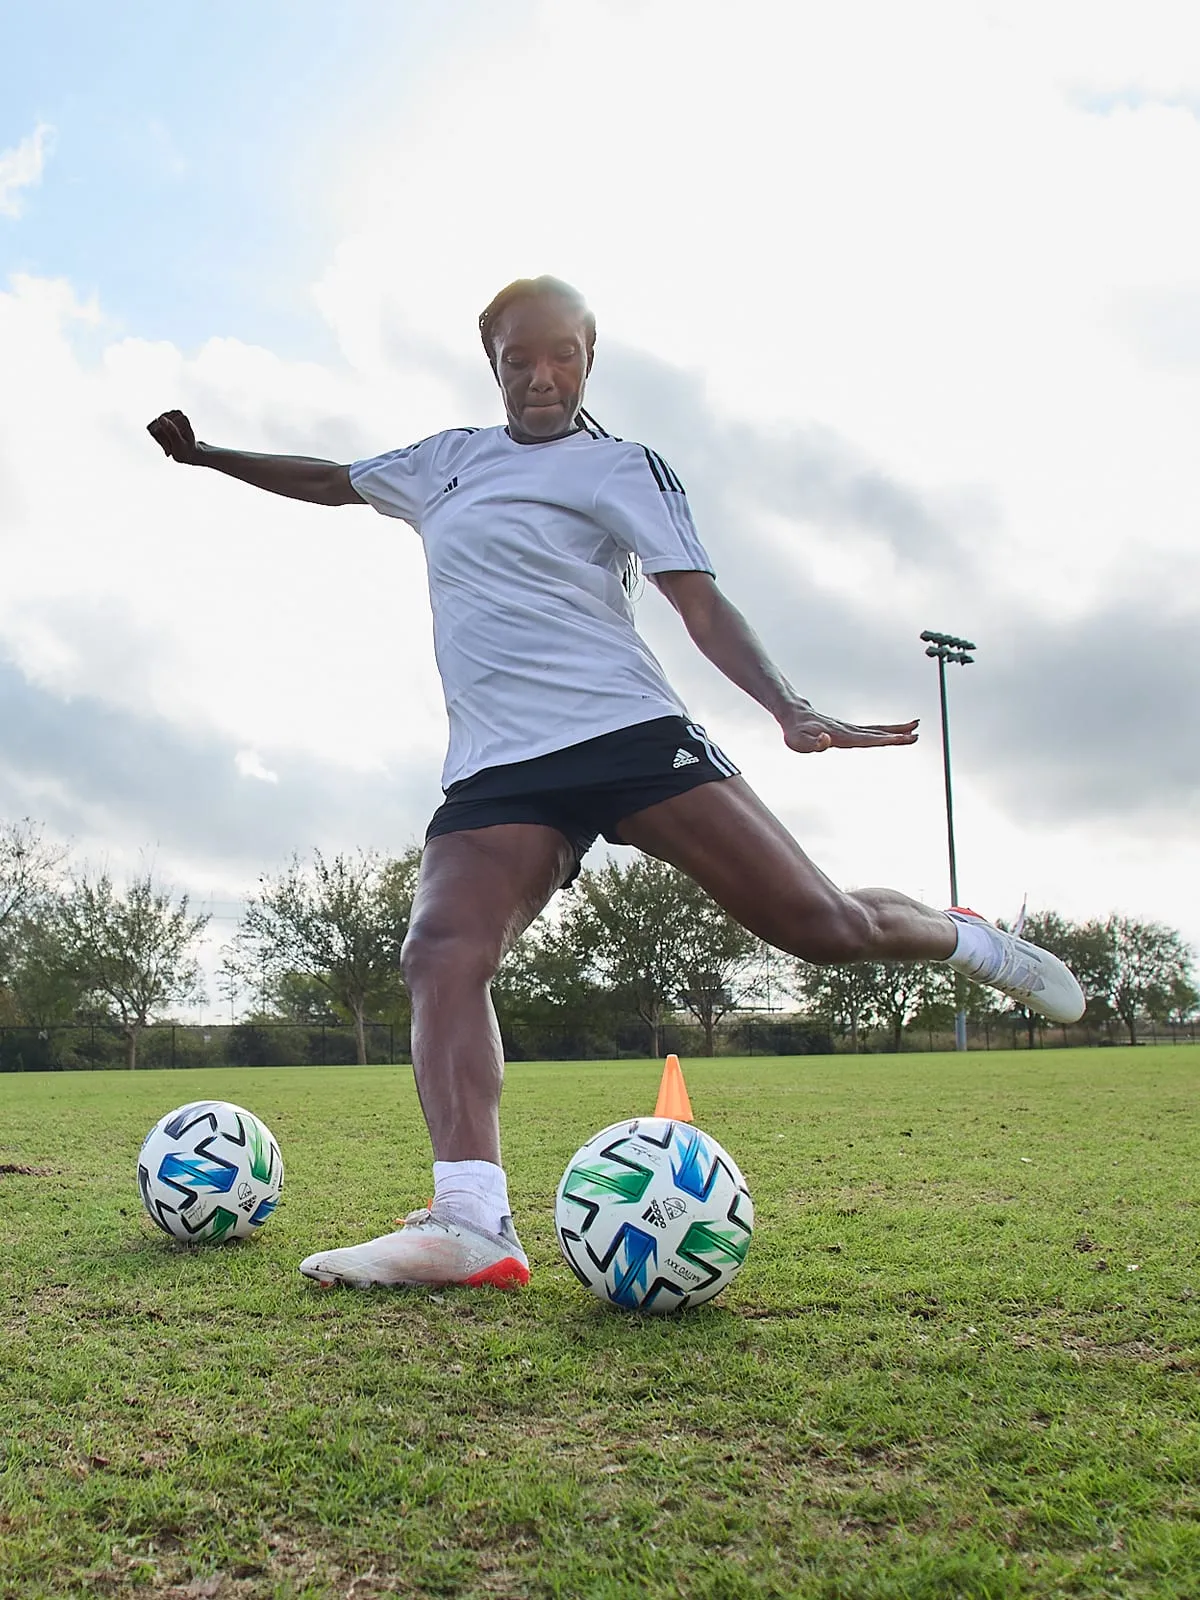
(652, 463)
(664, 477)
(453, 436)
(443, 435)
(673, 478)
(430, 437)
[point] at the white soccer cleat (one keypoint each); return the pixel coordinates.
(427, 1251)
(1025, 972)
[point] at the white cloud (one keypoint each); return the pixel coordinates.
(250, 765)
(21, 168)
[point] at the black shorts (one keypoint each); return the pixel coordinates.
(587, 789)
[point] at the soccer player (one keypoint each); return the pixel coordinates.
(563, 727)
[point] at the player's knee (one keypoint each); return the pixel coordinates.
(432, 956)
(842, 930)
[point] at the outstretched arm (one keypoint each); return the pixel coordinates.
(722, 633)
(324, 483)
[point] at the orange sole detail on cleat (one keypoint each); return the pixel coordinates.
(967, 912)
(506, 1274)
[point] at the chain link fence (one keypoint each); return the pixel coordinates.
(85, 1047)
(75, 1047)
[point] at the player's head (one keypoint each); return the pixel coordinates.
(540, 337)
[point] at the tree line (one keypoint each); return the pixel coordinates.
(631, 950)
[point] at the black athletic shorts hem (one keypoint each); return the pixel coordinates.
(587, 789)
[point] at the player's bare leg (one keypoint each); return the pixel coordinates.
(477, 893)
(724, 837)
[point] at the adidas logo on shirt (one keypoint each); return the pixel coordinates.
(684, 758)
(453, 484)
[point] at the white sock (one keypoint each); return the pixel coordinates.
(976, 951)
(476, 1191)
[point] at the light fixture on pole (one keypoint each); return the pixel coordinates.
(945, 647)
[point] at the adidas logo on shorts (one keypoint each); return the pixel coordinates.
(684, 758)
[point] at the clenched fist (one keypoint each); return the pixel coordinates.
(174, 433)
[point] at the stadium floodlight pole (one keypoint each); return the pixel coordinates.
(945, 647)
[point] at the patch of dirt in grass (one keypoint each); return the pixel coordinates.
(768, 1313)
(502, 1580)
(49, 1295)
(45, 1298)
(874, 1467)
(846, 1200)
(289, 1561)
(1170, 1358)
(8, 1169)
(924, 1308)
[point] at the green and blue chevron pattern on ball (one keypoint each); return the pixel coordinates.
(653, 1215)
(210, 1171)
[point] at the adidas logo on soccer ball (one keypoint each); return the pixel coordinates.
(684, 758)
(660, 1215)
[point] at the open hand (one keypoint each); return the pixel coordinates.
(174, 433)
(810, 731)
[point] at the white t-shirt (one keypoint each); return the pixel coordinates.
(525, 545)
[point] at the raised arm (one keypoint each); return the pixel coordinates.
(323, 483)
(722, 633)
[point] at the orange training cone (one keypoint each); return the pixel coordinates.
(673, 1099)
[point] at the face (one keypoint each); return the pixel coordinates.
(542, 363)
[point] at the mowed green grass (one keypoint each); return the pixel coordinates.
(963, 1358)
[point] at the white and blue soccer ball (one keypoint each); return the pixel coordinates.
(653, 1215)
(210, 1171)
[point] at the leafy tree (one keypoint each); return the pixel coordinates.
(1148, 960)
(1087, 950)
(547, 989)
(898, 993)
(720, 963)
(938, 1001)
(130, 952)
(654, 937)
(339, 923)
(1088, 953)
(628, 920)
(28, 865)
(303, 999)
(1181, 1002)
(845, 995)
(44, 985)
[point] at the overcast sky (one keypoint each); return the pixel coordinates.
(909, 296)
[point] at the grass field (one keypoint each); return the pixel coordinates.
(963, 1358)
